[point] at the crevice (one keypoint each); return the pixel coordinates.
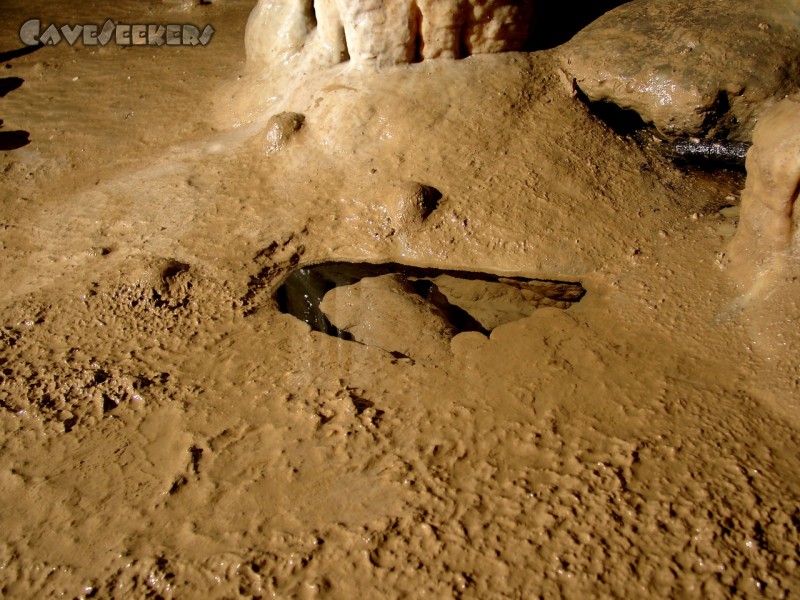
(311, 13)
(109, 403)
(706, 154)
(460, 50)
(456, 315)
(345, 48)
(714, 120)
(196, 454)
(179, 483)
(415, 24)
(464, 44)
(302, 291)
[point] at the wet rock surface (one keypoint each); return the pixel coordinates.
(386, 312)
(706, 68)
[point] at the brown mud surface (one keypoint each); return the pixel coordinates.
(166, 431)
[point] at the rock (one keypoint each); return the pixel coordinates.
(280, 129)
(767, 238)
(496, 303)
(384, 33)
(707, 68)
(385, 312)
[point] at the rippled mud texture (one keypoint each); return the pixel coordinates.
(706, 68)
(166, 431)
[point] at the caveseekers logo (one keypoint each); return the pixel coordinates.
(122, 34)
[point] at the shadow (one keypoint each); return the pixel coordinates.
(556, 22)
(9, 84)
(11, 140)
(622, 121)
(24, 51)
(430, 200)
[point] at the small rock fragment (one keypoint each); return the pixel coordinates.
(280, 129)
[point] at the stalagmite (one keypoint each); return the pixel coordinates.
(767, 239)
(384, 33)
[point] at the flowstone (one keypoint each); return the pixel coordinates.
(767, 239)
(384, 33)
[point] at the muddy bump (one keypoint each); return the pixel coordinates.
(281, 128)
(409, 204)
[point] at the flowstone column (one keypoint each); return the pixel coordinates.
(767, 241)
(384, 33)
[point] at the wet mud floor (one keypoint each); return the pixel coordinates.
(167, 431)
